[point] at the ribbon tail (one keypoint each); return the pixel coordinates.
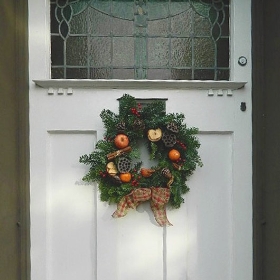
(160, 196)
(132, 200)
(160, 214)
(125, 203)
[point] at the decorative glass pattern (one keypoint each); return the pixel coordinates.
(140, 39)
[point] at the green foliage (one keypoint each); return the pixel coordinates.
(153, 150)
(136, 122)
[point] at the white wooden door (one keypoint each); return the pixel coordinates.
(73, 235)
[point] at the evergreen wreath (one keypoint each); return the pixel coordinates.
(115, 164)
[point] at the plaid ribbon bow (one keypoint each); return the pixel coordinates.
(158, 196)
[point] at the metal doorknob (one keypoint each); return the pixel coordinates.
(242, 60)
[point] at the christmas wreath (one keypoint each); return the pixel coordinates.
(115, 163)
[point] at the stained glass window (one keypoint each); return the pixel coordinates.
(140, 39)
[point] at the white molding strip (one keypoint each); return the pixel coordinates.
(139, 84)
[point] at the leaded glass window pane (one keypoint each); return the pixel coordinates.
(140, 39)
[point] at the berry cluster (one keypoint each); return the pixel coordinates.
(103, 174)
(180, 161)
(135, 111)
(136, 177)
(108, 139)
(183, 146)
(134, 183)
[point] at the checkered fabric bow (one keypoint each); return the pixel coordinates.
(158, 196)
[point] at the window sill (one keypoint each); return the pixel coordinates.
(140, 84)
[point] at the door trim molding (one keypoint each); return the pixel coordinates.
(140, 84)
(258, 126)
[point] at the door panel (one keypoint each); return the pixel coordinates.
(204, 222)
(73, 233)
(70, 207)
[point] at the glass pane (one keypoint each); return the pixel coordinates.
(123, 73)
(223, 53)
(157, 9)
(79, 24)
(54, 22)
(76, 51)
(140, 49)
(177, 7)
(100, 73)
(222, 74)
(202, 26)
(123, 9)
(122, 27)
(182, 25)
(158, 27)
(123, 52)
(58, 73)
(99, 23)
(101, 6)
(204, 74)
(57, 52)
(204, 52)
(181, 52)
(158, 52)
(66, 12)
(100, 51)
(64, 29)
(158, 74)
(181, 74)
(216, 31)
(76, 73)
(225, 26)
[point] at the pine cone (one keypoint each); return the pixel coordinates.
(166, 173)
(116, 179)
(138, 124)
(173, 127)
(121, 126)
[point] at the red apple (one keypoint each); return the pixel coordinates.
(121, 141)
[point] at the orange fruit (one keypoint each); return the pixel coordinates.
(125, 177)
(174, 155)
